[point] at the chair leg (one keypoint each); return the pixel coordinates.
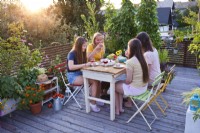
(165, 102)
(72, 95)
(139, 110)
(160, 108)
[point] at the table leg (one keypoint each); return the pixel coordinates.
(112, 101)
(86, 89)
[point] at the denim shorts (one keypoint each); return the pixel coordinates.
(71, 76)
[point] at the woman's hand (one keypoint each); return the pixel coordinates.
(98, 47)
(87, 64)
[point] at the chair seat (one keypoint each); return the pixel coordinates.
(142, 97)
(72, 85)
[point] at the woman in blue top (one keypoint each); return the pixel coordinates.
(76, 60)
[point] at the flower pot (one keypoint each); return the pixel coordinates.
(175, 51)
(36, 108)
(9, 106)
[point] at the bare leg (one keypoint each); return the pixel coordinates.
(120, 93)
(129, 103)
(117, 103)
(94, 89)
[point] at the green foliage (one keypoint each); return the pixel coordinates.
(180, 15)
(121, 27)
(9, 88)
(148, 21)
(196, 115)
(69, 11)
(27, 77)
(90, 24)
(14, 53)
(194, 48)
(189, 94)
(163, 55)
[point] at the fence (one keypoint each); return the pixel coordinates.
(183, 57)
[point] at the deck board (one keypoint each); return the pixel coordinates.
(73, 120)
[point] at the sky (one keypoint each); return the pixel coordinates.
(35, 5)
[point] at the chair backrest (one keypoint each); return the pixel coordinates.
(62, 67)
(156, 84)
(168, 78)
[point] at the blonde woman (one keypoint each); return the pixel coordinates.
(96, 50)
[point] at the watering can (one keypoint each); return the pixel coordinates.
(57, 103)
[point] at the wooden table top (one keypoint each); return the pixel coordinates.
(107, 69)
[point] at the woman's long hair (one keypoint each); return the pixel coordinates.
(97, 34)
(146, 41)
(135, 48)
(77, 48)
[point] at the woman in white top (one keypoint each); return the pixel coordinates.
(151, 56)
(137, 75)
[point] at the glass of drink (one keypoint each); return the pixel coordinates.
(92, 62)
(105, 61)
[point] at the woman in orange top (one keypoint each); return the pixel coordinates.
(96, 50)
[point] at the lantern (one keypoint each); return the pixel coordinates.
(194, 102)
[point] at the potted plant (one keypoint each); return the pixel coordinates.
(10, 92)
(14, 53)
(179, 37)
(32, 98)
(163, 56)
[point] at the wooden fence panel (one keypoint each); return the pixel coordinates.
(183, 57)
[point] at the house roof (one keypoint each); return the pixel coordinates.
(165, 3)
(163, 15)
(184, 5)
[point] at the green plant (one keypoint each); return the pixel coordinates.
(148, 21)
(186, 100)
(3, 103)
(90, 24)
(27, 77)
(121, 27)
(31, 95)
(163, 55)
(194, 47)
(9, 88)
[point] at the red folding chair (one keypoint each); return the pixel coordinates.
(69, 94)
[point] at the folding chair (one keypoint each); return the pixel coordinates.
(69, 94)
(162, 88)
(146, 98)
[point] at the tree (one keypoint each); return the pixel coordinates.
(71, 10)
(148, 21)
(194, 47)
(121, 27)
(91, 25)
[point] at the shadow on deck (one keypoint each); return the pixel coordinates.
(71, 119)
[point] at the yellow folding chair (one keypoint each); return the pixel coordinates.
(161, 90)
(146, 98)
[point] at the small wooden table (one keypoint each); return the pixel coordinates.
(107, 74)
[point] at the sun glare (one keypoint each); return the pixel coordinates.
(36, 5)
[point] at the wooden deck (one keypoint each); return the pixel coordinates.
(73, 120)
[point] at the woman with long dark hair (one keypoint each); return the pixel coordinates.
(151, 56)
(76, 60)
(137, 75)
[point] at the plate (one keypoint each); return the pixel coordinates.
(118, 67)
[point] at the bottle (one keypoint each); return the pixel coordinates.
(194, 102)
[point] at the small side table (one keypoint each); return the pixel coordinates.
(190, 125)
(56, 88)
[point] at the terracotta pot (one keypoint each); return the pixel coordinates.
(36, 108)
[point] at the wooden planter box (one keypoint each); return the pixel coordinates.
(10, 106)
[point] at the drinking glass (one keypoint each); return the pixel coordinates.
(92, 62)
(105, 62)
